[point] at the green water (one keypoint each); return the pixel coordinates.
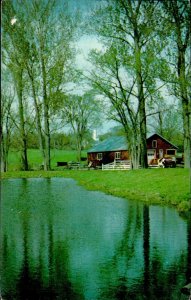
(59, 241)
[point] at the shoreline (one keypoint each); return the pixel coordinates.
(166, 187)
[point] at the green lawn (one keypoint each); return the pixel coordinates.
(35, 158)
(164, 186)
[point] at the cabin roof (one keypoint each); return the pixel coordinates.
(118, 143)
(114, 143)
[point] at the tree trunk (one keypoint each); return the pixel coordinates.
(79, 146)
(187, 135)
(160, 124)
(141, 98)
(185, 106)
(24, 159)
(5, 143)
(133, 143)
(46, 112)
(5, 135)
(143, 136)
(47, 135)
(3, 155)
(38, 121)
(183, 43)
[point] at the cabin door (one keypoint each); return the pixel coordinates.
(150, 155)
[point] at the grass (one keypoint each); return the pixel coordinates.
(35, 158)
(153, 186)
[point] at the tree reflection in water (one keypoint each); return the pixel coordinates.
(62, 242)
(154, 282)
(35, 280)
(188, 273)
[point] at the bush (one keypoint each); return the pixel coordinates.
(184, 206)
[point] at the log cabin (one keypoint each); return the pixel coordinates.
(116, 148)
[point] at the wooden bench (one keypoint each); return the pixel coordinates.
(83, 158)
(73, 165)
(62, 163)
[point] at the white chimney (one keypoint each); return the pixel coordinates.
(94, 135)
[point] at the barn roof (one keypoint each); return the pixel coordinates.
(117, 143)
(114, 143)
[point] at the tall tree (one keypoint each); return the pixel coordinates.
(30, 67)
(52, 29)
(13, 59)
(178, 18)
(42, 36)
(130, 28)
(108, 80)
(7, 124)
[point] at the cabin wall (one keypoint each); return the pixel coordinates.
(161, 145)
(107, 157)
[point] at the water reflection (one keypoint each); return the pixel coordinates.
(62, 242)
(188, 273)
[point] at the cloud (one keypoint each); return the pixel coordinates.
(84, 46)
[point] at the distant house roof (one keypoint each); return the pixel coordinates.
(114, 143)
(160, 136)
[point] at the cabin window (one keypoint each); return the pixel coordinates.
(170, 151)
(99, 156)
(117, 155)
(154, 144)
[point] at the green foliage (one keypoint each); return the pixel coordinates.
(38, 51)
(80, 113)
(169, 124)
(115, 131)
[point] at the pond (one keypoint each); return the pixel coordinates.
(60, 241)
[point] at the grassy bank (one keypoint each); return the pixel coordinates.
(163, 186)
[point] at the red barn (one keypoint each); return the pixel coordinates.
(116, 148)
(105, 152)
(159, 147)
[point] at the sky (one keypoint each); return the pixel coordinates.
(84, 6)
(85, 44)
